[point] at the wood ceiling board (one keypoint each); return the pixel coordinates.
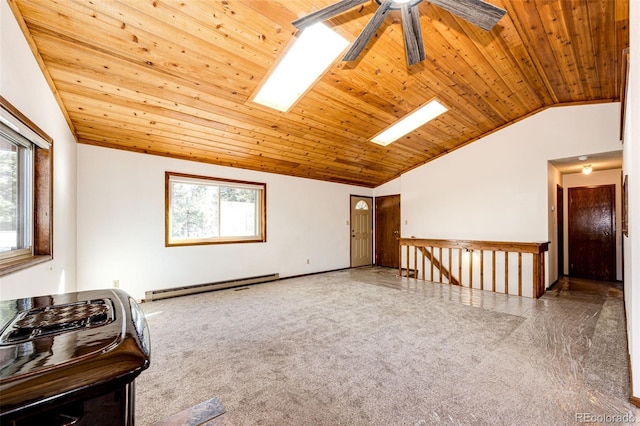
(111, 35)
(566, 44)
(621, 39)
(447, 86)
(180, 76)
(226, 109)
(470, 44)
(115, 99)
(164, 130)
(601, 18)
(528, 24)
(512, 71)
(223, 158)
(138, 74)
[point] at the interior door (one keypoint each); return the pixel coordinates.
(361, 231)
(387, 213)
(592, 237)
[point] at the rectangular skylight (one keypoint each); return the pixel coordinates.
(409, 123)
(315, 49)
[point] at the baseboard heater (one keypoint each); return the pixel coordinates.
(201, 288)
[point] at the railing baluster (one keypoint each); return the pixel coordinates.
(450, 271)
(481, 269)
(415, 262)
(493, 271)
(460, 267)
(519, 273)
(431, 263)
(423, 263)
(408, 261)
(506, 272)
(440, 269)
(470, 268)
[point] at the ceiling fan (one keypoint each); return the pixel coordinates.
(477, 12)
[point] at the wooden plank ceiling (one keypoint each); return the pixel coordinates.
(176, 78)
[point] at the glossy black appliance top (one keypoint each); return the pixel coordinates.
(53, 345)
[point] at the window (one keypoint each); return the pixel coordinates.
(16, 161)
(204, 210)
(362, 205)
(25, 191)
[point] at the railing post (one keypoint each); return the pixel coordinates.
(536, 275)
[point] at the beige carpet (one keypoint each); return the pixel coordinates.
(333, 349)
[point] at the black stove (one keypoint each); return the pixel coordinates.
(71, 358)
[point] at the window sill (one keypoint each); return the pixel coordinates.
(10, 266)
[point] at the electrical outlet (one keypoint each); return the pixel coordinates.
(116, 283)
(307, 261)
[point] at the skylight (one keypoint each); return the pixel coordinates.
(409, 123)
(315, 49)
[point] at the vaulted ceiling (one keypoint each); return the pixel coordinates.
(176, 78)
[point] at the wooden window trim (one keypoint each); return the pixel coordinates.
(42, 202)
(263, 213)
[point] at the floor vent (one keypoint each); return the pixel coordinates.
(201, 288)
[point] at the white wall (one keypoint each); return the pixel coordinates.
(498, 187)
(555, 179)
(24, 86)
(121, 225)
(393, 187)
(631, 167)
(604, 177)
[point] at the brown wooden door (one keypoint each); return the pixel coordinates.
(387, 231)
(592, 236)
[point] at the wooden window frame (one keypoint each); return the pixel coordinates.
(42, 200)
(262, 232)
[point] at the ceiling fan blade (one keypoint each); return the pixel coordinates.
(368, 31)
(478, 12)
(412, 32)
(326, 13)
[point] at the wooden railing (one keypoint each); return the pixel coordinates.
(486, 265)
